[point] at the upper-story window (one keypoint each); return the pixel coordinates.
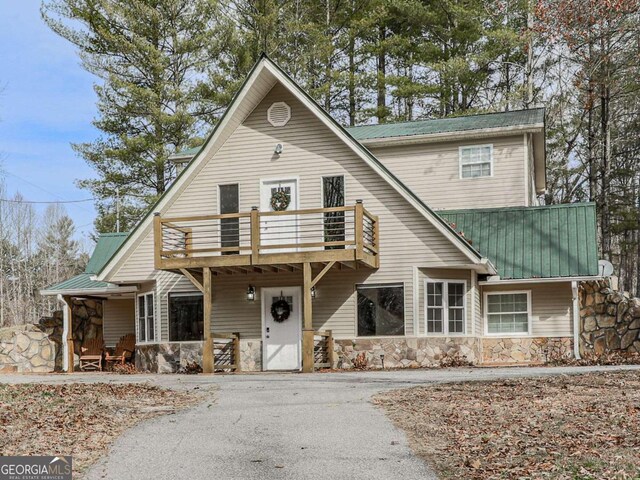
(476, 161)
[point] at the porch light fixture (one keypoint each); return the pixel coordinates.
(251, 293)
(313, 293)
(279, 148)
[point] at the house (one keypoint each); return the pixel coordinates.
(288, 242)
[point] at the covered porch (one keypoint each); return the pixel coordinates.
(92, 310)
(302, 244)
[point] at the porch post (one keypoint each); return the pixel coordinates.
(207, 348)
(67, 328)
(307, 330)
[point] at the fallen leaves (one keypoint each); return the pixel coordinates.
(77, 419)
(564, 427)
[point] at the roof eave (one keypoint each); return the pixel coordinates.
(89, 291)
(453, 136)
(521, 281)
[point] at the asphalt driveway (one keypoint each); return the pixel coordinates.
(285, 426)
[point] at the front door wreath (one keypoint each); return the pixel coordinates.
(280, 309)
(280, 200)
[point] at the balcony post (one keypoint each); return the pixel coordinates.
(307, 330)
(207, 347)
(359, 229)
(157, 240)
(255, 234)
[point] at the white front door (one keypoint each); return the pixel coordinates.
(281, 340)
(278, 229)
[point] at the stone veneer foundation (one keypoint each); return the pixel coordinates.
(169, 357)
(398, 352)
(525, 350)
(404, 352)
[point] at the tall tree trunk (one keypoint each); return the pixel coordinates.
(382, 75)
(352, 79)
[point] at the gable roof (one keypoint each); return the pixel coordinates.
(451, 124)
(533, 242)
(105, 247)
(266, 71)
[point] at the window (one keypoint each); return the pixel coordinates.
(334, 222)
(146, 324)
(229, 227)
(507, 312)
(380, 310)
(476, 161)
(445, 306)
(186, 318)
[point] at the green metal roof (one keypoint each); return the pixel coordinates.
(534, 116)
(451, 124)
(533, 242)
(106, 246)
(80, 282)
(187, 152)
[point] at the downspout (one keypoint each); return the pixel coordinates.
(65, 330)
(576, 320)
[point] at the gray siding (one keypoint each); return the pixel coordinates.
(431, 170)
(551, 305)
(118, 320)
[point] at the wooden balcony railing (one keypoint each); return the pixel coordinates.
(323, 355)
(339, 234)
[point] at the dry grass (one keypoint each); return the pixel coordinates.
(565, 427)
(77, 419)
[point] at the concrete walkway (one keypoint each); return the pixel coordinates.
(284, 426)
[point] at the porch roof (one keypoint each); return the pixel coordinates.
(550, 241)
(82, 283)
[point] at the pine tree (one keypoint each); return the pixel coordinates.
(150, 57)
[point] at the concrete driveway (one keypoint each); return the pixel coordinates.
(289, 426)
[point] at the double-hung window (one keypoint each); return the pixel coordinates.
(476, 161)
(146, 324)
(508, 313)
(445, 306)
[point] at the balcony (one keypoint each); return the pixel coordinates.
(258, 241)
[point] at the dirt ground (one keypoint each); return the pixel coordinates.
(78, 419)
(564, 427)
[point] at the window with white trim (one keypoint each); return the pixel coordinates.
(508, 313)
(146, 323)
(445, 306)
(476, 161)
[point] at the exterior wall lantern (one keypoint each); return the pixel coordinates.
(313, 292)
(251, 293)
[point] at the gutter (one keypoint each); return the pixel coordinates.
(517, 281)
(90, 291)
(576, 320)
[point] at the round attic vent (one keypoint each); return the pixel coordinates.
(279, 114)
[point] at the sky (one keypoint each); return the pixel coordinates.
(47, 102)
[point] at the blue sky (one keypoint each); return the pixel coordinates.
(47, 102)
